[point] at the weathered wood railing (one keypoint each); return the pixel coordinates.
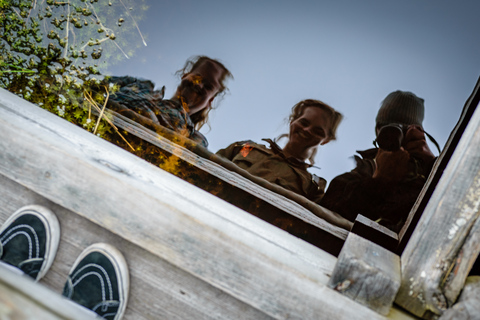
(270, 202)
(439, 167)
(435, 255)
(221, 261)
(190, 254)
(446, 241)
(432, 294)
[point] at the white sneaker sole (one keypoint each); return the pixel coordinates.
(52, 232)
(121, 270)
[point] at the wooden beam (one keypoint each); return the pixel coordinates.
(158, 289)
(212, 173)
(367, 274)
(438, 168)
(23, 299)
(201, 158)
(446, 241)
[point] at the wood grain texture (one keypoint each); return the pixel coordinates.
(23, 299)
(158, 289)
(173, 221)
(446, 242)
(468, 304)
(439, 167)
(367, 273)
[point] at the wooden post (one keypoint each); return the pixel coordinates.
(446, 241)
(367, 273)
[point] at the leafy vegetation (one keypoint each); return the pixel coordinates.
(55, 53)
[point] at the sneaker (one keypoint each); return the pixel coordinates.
(29, 240)
(99, 281)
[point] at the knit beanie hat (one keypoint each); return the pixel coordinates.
(401, 107)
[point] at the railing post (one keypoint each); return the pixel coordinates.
(367, 273)
(446, 241)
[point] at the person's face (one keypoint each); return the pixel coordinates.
(310, 129)
(199, 87)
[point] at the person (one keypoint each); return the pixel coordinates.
(312, 123)
(387, 180)
(202, 80)
(28, 244)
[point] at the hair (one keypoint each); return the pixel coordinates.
(335, 119)
(201, 118)
(335, 116)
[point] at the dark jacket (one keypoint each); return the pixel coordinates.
(385, 202)
(272, 165)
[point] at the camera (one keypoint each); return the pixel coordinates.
(390, 136)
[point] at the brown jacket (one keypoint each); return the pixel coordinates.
(272, 165)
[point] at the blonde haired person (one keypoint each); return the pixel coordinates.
(312, 123)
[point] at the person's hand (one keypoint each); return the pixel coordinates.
(391, 165)
(416, 145)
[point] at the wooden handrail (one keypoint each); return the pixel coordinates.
(154, 137)
(272, 203)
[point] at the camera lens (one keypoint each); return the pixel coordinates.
(390, 137)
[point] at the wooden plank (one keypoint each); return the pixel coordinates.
(438, 168)
(367, 273)
(196, 232)
(23, 299)
(203, 159)
(446, 242)
(270, 202)
(158, 289)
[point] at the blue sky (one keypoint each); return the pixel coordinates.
(347, 53)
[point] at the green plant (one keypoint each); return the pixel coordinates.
(55, 53)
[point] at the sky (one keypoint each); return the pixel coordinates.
(348, 53)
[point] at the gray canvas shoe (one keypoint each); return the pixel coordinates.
(29, 240)
(99, 281)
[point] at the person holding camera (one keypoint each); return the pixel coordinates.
(387, 180)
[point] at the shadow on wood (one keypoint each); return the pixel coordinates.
(378, 234)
